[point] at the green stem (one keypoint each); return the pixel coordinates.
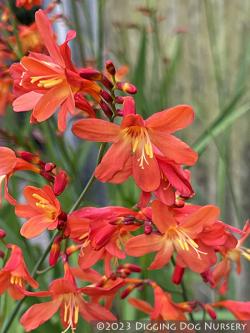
(100, 4)
(15, 30)
(78, 30)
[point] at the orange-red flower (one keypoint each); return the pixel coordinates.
(47, 82)
(71, 302)
(14, 275)
(28, 4)
(222, 270)
(42, 211)
(9, 164)
(164, 308)
(241, 310)
(101, 232)
(182, 235)
(135, 144)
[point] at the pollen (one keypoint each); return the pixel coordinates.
(181, 240)
(140, 141)
(16, 280)
(45, 81)
(45, 205)
(70, 312)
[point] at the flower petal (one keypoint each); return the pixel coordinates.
(48, 104)
(163, 256)
(162, 216)
(35, 226)
(7, 160)
(37, 314)
(48, 37)
(26, 102)
(173, 148)
(97, 130)
(143, 244)
(172, 119)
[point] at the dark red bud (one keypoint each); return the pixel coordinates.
(29, 157)
(49, 166)
(119, 100)
(61, 181)
(2, 254)
(107, 83)
(55, 251)
(126, 87)
(90, 74)
(133, 268)
(110, 67)
(178, 274)
(106, 109)
(106, 96)
(47, 176)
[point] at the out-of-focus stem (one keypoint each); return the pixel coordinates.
(101, 4)
(78, 30)
(15, 30)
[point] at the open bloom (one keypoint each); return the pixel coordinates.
(47, 82)
(9, 164)
(14, 275)
(240, 310)
(42, 211)
(70, 300)
(102, 233)
(136, 142)
(180, 235)
(164, 308)
(222, 270)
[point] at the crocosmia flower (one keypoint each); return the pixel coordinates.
(9, 164)
(164, 308)
(182, 237)
(69, 300)
(47, 82)
(14, 275)
(136, 142)
(42, 211)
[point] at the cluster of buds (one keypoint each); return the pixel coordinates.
(48, 170)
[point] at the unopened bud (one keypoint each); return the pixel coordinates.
(47, 176)
(119, 100)
(133, 268)
(55, 251)
(107, 83)
(127, 87)
(72, 249)
(2, 233)
(178, 274)
(127, 291)
(106, 96)
(29, 157)
(49, 166)
(110, 67)
(106, 109)
(90, 74)
(2, 254)
(61, 181)
(211, 312)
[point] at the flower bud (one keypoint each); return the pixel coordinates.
(2, 233)
(49, 166)
(178, 274)
(148, 227)
(90, 74)
(107, 83)
(72, 249)
(133, 268)
(127, 291)
(29, 157)
(47, 176)
(55, 251)
(127, 87)
(106, 109)
(110, 67)
(211, 311)
(61, 181)
(106, 96)
(119, 100)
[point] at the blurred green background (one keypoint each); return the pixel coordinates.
(195, 52)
